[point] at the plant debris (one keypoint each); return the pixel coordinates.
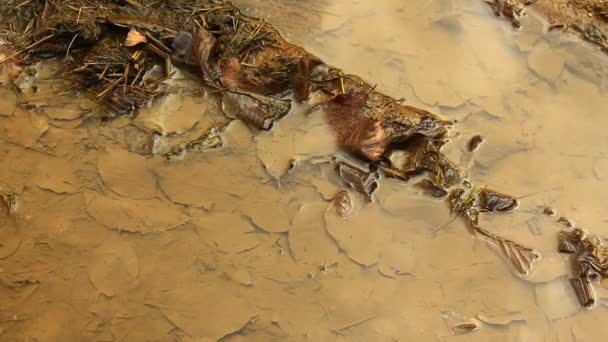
(365, 182)
(512, 10)
(586, 18)
(466, 203)
(122, 55)
(590, 262)
(210, 140)
(8, 200)
(475, 142)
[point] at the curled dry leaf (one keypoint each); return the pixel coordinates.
(204, 43)
(134, 38)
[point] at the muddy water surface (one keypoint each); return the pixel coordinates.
(113, 242)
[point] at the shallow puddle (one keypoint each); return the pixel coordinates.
(119, 234)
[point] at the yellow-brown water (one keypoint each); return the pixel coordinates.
(111, 245)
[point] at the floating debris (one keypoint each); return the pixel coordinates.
(465, 203)
(212, 139)
(589, 259)
(493, 201)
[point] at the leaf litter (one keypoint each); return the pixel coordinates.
(136, 216)
(114, 267)
(216, 194)
(227, 232)
(126, 174)
(210, 311)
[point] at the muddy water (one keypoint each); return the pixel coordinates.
(110, 241)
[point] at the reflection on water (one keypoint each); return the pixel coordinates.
(110, 242)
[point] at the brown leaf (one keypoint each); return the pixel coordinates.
(354, 131)
(134, 38)
(204, 43)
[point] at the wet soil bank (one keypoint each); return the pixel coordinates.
(182, 224)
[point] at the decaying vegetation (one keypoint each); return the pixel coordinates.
(586, 18)
(8, 201)
(114, 50)
(589, 262)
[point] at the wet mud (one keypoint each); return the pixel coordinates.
(213, 230)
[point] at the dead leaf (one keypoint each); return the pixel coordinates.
(227, 232)
(24, 127)
(276, 150)
(134, 38)
(126, 174)
(552, 267)
(9, 241)
(205, 310)
(546, 62)
(8, 102)
(361, 235)
(272, 209)
(556, 298)
(57, 176)
(217, 179)
(397, 259)
(114, 267)
(141, 216)
(308, 238)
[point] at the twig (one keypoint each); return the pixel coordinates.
(67, 53)
(31, 46)
(355, 323)
(157, 43)
(133, 3)
(110, 87)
